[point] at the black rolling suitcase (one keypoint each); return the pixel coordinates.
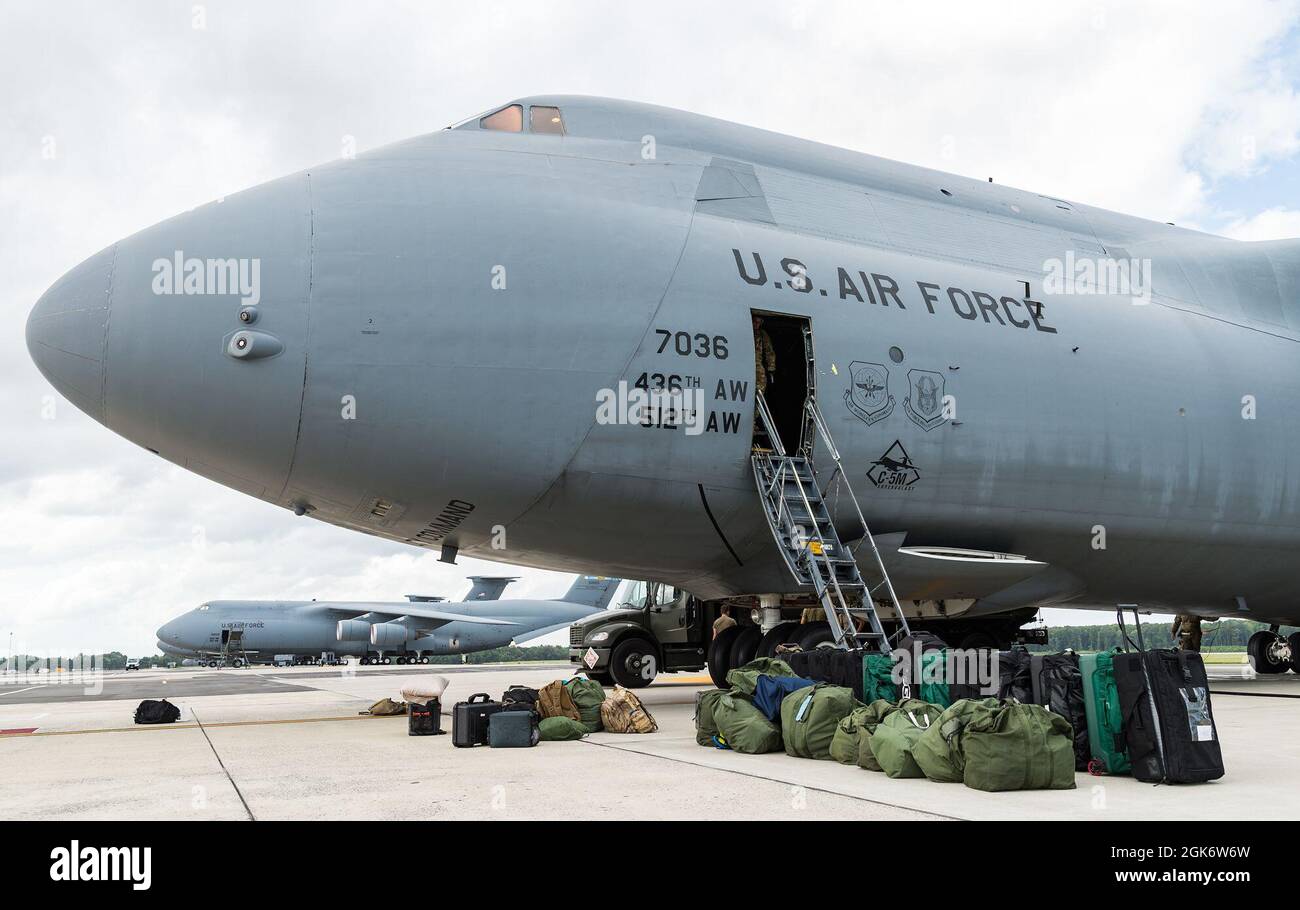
(469, 720)
(1169, 727)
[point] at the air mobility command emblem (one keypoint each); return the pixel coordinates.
(924, 404)
(868, 395)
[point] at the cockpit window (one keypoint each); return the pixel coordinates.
(542, 119)
(507, 120)
(204, 607)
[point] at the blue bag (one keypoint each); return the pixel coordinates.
(769, 690)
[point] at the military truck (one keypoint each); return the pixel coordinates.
(656, 629)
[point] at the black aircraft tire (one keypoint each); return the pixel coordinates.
(745, 647)
(627, 663)
(1294, 642)
(779, 634)
(1257, 653)
(813, 634)
(720, 655)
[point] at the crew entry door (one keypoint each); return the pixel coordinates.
(784, 374)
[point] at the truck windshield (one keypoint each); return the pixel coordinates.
(638, 598)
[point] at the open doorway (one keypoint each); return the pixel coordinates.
(783, 372)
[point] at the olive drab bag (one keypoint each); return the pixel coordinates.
(877, 711)
(895, 736)
(386, 707)
(938, 752)
(745, 679)
(742, 727)
(560, 729)
(809, 717)
(587, 695)
(1017, 747)
(705, 726)
(844, 742)
(1105, 718)
(622, 712)
(555, 700)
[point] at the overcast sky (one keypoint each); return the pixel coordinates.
(114, 116)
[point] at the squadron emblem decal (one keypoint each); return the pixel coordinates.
(894, 470)
(868, 394)
(924, 404)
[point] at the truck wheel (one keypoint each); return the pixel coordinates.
(745, 646)
(719, 657)
(779, 634)
(1294, 642)
(634, 663)
(1260, 652)
(237, 662)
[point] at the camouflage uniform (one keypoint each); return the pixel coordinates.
(1187, 632)
(764, 359)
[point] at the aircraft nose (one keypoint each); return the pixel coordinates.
(66, 332)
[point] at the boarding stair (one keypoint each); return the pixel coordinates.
(797, 511)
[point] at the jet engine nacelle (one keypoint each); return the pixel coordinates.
(353, 630)
(389, 634)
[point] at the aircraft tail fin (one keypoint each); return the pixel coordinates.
(592, 591)
(488, 587)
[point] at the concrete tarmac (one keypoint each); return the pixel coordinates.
(288, 743)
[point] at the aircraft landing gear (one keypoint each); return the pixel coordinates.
(1270, 653)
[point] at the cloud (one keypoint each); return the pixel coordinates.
(1270, 224)
(116, 116)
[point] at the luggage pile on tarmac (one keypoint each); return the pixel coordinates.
(560, 711)
(1144, 712)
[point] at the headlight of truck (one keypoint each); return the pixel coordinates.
(599, 636)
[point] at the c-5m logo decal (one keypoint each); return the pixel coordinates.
(924, 404)
(894, 470)
(868, 394)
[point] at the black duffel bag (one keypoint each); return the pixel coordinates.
(156, 712)
(1057, 685)
(1164, 698)
(1014, 677)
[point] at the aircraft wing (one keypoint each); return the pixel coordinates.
(429, 618)
(538, 633)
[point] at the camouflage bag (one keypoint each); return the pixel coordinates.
(622, 712)
(385, 707)
(555, 700)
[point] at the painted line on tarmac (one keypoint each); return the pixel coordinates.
(775, 780)
(158, 728)
(1253, 694)
(16, 691)
(217, 755)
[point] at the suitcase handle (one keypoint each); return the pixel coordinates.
(479, 696)
(1137, 624)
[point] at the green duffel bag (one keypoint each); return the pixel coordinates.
(587, 694)
(561, 729)
(809, 717)
(855, 729)
(878, 711)
(745, 679)
(705, 725)
(894, 738)
(1102, 709)
(1018, 747)
(743, 727)
(938, 752)
(878, 680)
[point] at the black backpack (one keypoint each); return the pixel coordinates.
(1164, 700)
(156, 712)
(519, 698)
(1057, 685)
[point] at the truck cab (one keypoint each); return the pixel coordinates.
(656, 629)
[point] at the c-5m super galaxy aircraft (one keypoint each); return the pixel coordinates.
(380, 632)
(1034, 402)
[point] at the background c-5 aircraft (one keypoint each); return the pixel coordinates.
(1013, 444)
(379, 632)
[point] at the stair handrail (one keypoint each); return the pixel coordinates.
(819, 422)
